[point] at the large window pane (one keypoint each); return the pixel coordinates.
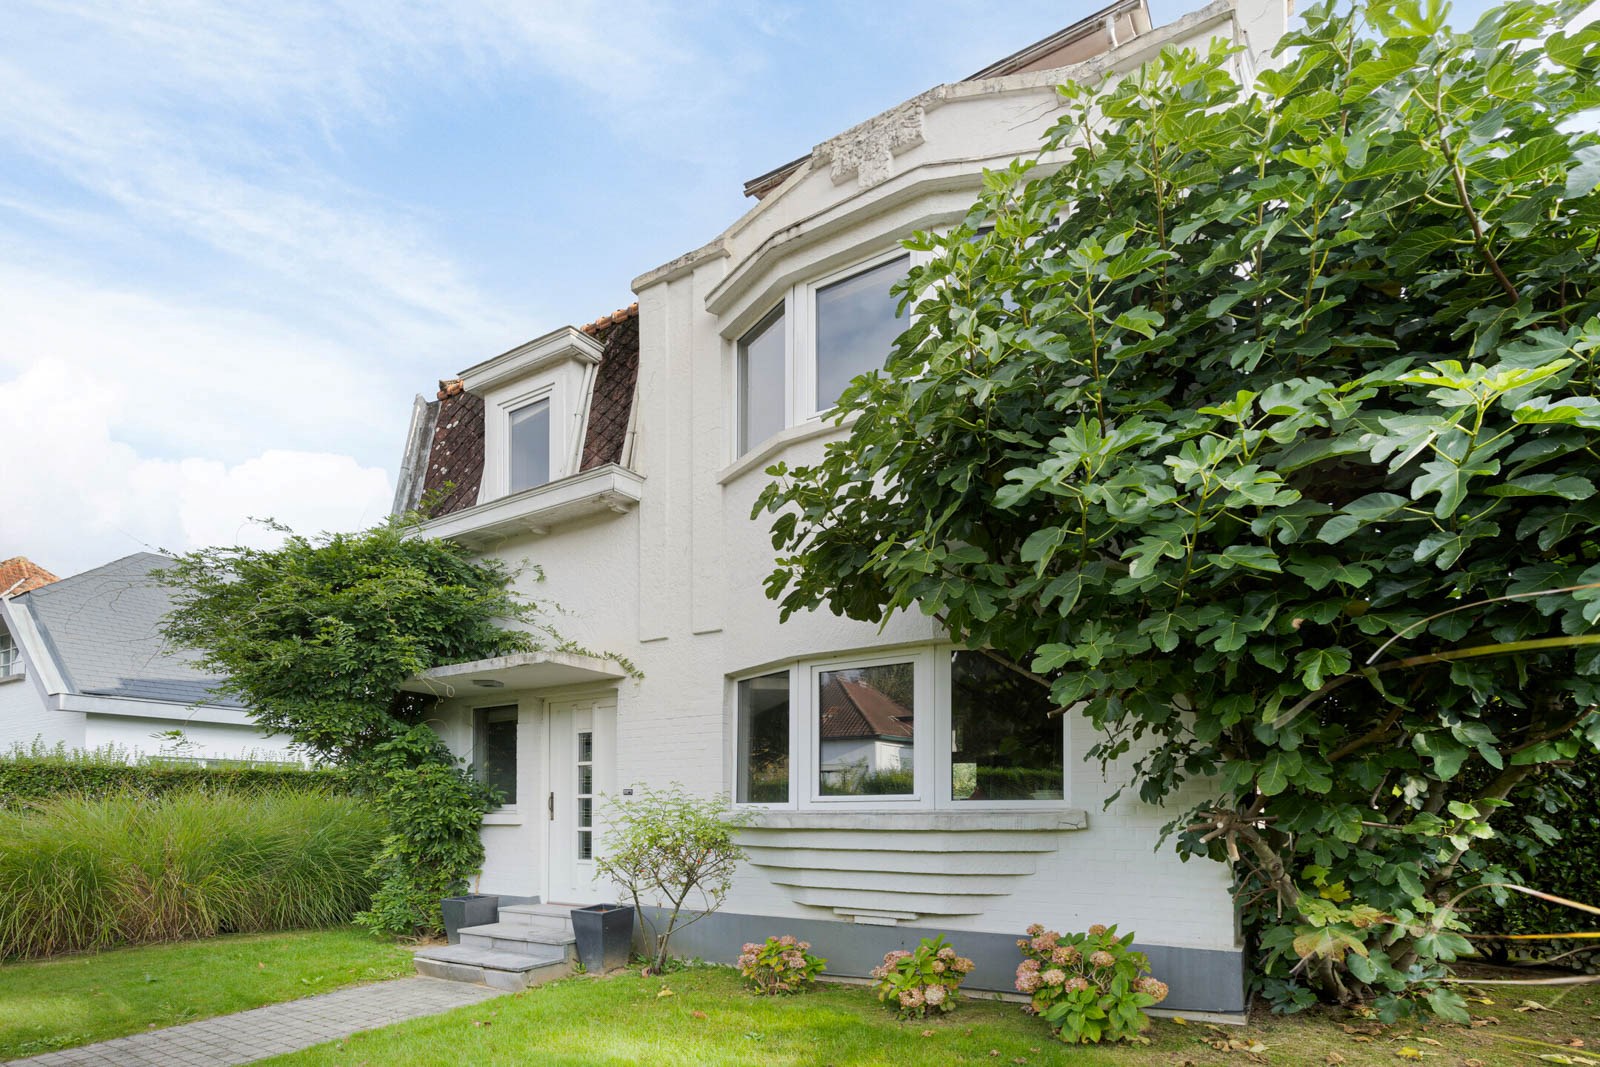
(856, 327)
(865, 730)
(530, 446)
(1004, 743)
(495, 750)
(761, 381)
(763, 732)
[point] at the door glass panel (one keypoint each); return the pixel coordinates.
(585, 795)
(866, 730)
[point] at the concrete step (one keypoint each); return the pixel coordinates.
(515, 937)
(497, 969)
(551, 917)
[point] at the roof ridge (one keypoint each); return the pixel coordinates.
(619, 315)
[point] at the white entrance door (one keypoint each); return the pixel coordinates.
(581, 761)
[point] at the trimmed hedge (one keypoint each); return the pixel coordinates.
(1551, 843)
(38, 773)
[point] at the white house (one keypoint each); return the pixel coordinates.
(83, 663)
(900, 787)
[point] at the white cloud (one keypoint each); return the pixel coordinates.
(75, 497)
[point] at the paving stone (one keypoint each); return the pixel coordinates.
(273, 1030)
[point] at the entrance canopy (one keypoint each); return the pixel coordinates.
(520, 670)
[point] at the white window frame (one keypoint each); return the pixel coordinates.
(799, 303)
(489, 703)
(497, 437)
(10, 655)
(736, 405)
(930, 737)
(803, 405)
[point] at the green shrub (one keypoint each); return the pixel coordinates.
(1089, 987)
(780, 965)
(926, 980)
(38, 772)
(79, 873)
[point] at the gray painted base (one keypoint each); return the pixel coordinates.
(1199, 979)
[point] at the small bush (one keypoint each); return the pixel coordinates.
(79, 873)
(667, 848)
(781, 965)
(40, 772)
(1090, 987)
(928, 979)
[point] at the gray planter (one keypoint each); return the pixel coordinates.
(605, 936)
(473, 909)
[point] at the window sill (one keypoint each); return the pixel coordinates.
(536, 511)
(502, 817)
(767, 451)
(986, 819)
(17, 677)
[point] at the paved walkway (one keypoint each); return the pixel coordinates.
(275, 1029)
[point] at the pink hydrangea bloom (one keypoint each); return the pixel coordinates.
(935, 995)
(1102, 959)
(1077, 984)
(963, 965)
(1035, 930)
(1096, 930)
(1054, 976)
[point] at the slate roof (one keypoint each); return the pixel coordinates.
(453, 465)
(855, 709)
(103, 628)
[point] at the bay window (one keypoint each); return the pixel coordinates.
(763, 730)
(794, 363)
(930, 727)
(761, 374)
(857, 321)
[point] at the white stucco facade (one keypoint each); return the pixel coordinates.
(672, 579)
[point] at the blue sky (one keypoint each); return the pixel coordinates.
(235, 239)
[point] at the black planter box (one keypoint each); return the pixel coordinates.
(605, 936)
(474, 909)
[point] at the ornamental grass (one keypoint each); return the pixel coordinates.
(86, 874)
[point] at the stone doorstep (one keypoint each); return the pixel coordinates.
(494, 967)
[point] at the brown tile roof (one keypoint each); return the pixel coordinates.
(455, 458)
(611, 406)
(855, 709)
(20, 574)
(619, 315)
(455, 455)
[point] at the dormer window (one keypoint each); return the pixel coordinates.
(10, 655)
(534, 399)
(529, 441)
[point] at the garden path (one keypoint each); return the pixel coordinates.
(278, 1028)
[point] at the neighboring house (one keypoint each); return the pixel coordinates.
(899, 786)
(90, 667)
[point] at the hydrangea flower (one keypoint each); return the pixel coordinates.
(1096, 930)
(1102, 959)
(935, 995)
(1054, 976)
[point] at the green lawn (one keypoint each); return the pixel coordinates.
(710, 1020)
(72, 1000)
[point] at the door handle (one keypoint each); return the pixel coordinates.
(551, 804)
